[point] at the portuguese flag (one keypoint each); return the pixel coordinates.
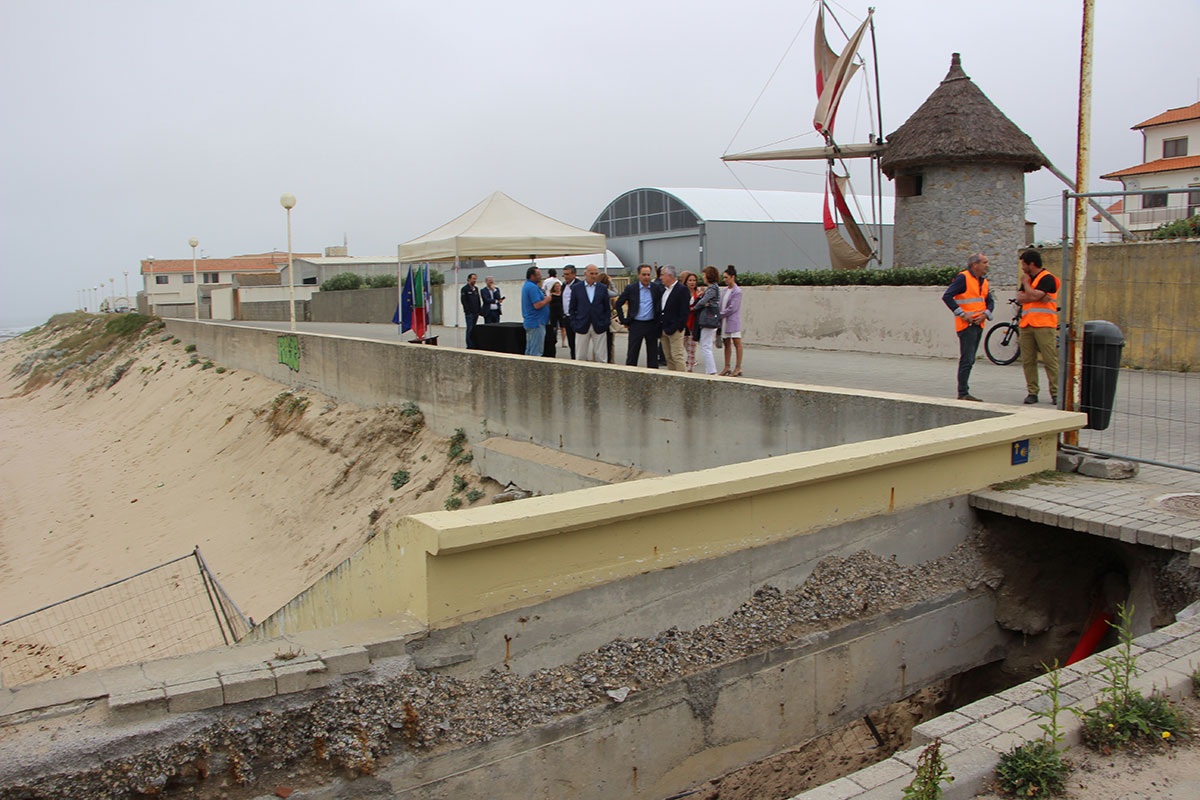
(414, 302)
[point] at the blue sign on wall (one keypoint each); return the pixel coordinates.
(1020, 452)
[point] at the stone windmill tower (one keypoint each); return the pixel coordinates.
(959, 169)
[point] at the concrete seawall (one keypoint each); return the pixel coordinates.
(776, 461)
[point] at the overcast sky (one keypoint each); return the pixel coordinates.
(130, 126)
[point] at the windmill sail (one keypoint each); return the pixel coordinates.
(843, 254)
(833, 73)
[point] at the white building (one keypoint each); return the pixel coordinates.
(1170, 160)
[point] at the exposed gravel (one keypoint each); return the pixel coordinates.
(353, 725)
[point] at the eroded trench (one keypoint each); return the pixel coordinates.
(796, 687)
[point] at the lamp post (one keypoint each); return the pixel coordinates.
(195, 286)
(128, 304)
(99, 295)
(112, 294)
(288, 201)
(149, 285)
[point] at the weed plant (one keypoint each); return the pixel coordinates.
(410, 409)
(1123, 714)
(456, 443)
(191, 348)
(399, 478)
(932, 772)
(460, 483)
(474, 496)
(1037, 768)
(453, 502)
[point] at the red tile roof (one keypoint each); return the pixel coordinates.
(1172, 115)
(266, 262)
(1159, 165)
(1115, 208)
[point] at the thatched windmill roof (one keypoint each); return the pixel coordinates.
(958, 124)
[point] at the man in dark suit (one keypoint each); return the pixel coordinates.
(675, 306)
(643, 300)
(589, 316)
(570, 281)
(490, 298)
(471, 307)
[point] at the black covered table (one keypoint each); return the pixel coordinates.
(500, 337)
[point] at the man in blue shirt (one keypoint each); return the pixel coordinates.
(535, 309)
(643, 300)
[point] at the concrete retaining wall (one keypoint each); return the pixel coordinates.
(676, 737)
(355, 305)
(769, 450)
(1150, 290)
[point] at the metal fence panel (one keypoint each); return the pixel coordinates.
(167, 610)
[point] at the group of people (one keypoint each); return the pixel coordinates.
(666, 315)
(970, 298)
(478, 303)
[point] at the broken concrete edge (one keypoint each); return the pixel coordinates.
(976, 735)
(139, 696)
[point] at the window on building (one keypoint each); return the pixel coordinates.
(161, 280)
(211, 277)
(909, 185)
(1174, 148)
(187, 278)
(644, 211)
(1194, 200)
(1154, 200)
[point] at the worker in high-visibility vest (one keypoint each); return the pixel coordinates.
(1038, 297)
(969, 297)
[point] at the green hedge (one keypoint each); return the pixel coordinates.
(349, 280)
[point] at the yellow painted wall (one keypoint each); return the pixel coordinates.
(1151, 291)
(447, 567)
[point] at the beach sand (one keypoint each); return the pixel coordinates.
(98, 483)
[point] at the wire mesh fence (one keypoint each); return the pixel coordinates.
(170, 609)
(1150, 289)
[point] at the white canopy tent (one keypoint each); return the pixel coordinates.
(498, 228)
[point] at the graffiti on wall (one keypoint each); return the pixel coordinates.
(289, 352)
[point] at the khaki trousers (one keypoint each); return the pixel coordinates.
(1039, 342)
(672, 345)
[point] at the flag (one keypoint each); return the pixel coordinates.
(414, 302)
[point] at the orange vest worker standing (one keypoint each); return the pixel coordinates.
(969, 297)
(1038, 297)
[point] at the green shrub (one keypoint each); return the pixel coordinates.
(191, 348)
(399, 478)
(456, 444)
(206, 365)
(460, 483)
(453, 502)
(1037, 768)
(126, 324)
(756, 279)
(1124, 714)
(381, 282)
(409, 409)
(474, 496)
(1033, 769)
(918, 276)
(436, 278)
(342, 282)
(1179, 229)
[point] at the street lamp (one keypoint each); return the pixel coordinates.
(288, 201)
(149, 285)
(128, 304)
(112, 294)
(195, 286)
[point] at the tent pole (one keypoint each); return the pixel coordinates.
(457, 341)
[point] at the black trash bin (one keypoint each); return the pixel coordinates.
(1102, 346)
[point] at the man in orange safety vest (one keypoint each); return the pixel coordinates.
(969, 297)
(1038, 297)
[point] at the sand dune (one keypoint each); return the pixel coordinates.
(99, 482)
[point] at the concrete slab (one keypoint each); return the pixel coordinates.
(194, 695)
(239, 687)
(299, 677)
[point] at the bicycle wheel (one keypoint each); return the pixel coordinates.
(1002, 344)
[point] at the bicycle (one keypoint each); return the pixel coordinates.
(1003, 341)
